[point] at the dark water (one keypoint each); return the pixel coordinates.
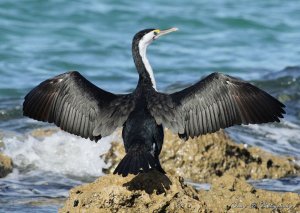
(253, 40)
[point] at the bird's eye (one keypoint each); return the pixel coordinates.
(155, 32)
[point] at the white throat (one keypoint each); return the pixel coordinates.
(144, 42)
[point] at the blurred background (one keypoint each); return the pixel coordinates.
(253, 40)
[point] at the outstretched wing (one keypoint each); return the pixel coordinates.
(217, 101)
(77, 106)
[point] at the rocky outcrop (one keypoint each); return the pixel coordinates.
(230, 194)
(211, 156)
(6, 165)
(155, 192)
(142, 193)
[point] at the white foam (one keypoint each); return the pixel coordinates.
(280, 138)
(61, 152)
(283, 134)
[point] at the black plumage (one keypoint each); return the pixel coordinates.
(81, 108)
(77, 106)
(218, 101)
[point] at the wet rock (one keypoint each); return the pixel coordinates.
(151, 192)
(211, 156)
(155, 192)
(235, 195)
(6, 165)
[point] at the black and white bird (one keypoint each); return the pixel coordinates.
(79, 107)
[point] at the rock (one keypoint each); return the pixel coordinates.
(211, 156)
(155, 192)
(151, 192)
(230, 193)
(6, 165)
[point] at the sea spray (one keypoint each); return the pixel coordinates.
(279, 138)
(60, 153)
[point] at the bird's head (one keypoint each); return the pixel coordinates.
(140, 42)
(145, 37)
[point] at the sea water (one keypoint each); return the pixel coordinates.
(254, 40)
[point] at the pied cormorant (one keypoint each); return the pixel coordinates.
(79, 107)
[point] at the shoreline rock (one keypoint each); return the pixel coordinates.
(6, 165)
(211, 156)
(155, 192)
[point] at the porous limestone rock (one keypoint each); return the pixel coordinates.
(155, 192)
(6, 165)
(211, 156)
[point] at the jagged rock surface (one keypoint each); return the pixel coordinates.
(211, 156)
(6, 165)
(155, 192)
(151, 192)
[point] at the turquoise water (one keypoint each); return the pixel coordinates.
(253, 40)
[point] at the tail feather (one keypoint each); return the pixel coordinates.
(133, 165)
(145, 165)
(121, 166)
(125, 170)
(135, 162)
(151, 160)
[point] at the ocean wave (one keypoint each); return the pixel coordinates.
(60, 153)
(279, 138)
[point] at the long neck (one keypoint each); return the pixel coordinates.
(146, 76)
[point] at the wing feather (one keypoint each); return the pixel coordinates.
(224, 114)
(204, 119)
(77, 106)
(199, 116)
(218, 101)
